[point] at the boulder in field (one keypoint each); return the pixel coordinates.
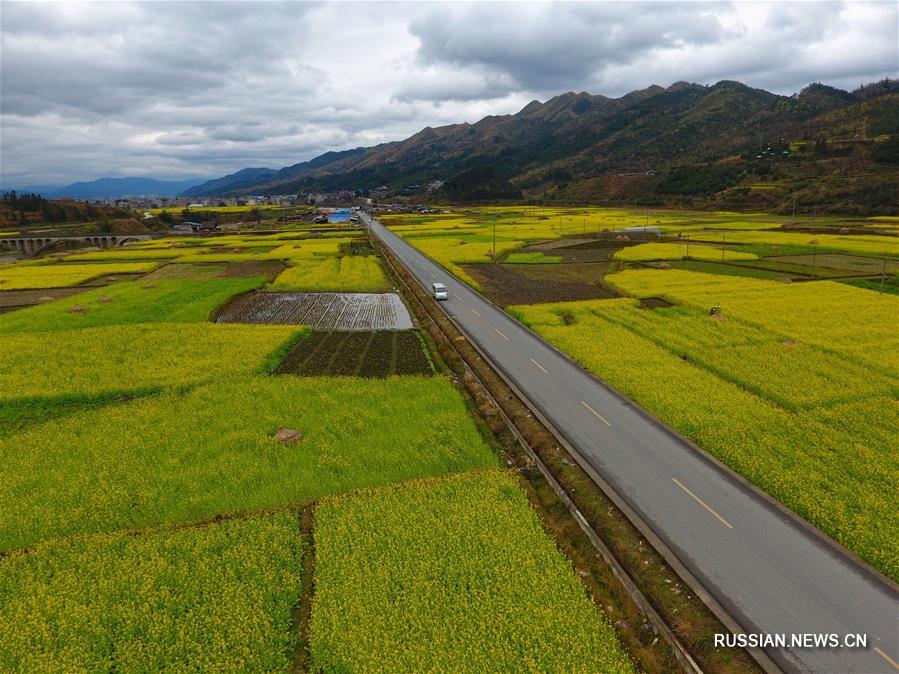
(288, 436)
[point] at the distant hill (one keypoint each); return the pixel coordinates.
(113, 188)
(721, 146)
(243, 179)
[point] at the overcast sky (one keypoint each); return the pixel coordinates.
(200, 89)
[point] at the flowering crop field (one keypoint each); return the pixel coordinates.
(314, 263)
(164, 301)
(207, 598)
(679, 251)
(452, 575)
(20, 276)
(465, 236)
(834, 316)
(154, 518)
(536, 257)
(860, 244)
(127, 253)
(778, 399)
(176, 458)
(361, 273)
(132, 358)
(451, 252)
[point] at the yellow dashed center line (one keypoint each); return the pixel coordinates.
(595, 413)
(887, 658)
(702, 503)
(543, 369)
(497, 330)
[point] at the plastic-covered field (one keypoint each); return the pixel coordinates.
(322, 311)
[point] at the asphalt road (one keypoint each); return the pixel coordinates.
(772, 575)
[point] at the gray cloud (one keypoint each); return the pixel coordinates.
(175, 89)
(543, 46)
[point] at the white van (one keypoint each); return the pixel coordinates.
(439, 291)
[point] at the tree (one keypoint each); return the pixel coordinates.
(887, 151)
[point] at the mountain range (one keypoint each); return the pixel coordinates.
(723, 145)
(113, 188)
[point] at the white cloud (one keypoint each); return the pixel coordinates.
(175, 89)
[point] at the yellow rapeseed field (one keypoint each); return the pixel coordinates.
(453, 575)
(679, 251)
(180, 457)
(128, 358)
(20, 276)
(213, 598)
(803, 418)
(351, 273)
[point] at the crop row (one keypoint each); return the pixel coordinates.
(363, 354)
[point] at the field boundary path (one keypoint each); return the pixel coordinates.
(761, 569)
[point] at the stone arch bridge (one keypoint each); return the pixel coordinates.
(32, 245)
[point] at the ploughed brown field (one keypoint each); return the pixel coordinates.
(380, 353)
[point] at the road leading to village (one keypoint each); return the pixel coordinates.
(771, 574)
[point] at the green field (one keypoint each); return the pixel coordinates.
(466, 235)
(334, 274)
(210, 598)
(130, 426)
(36, 275)
(119, 359)
(536, 257)
(164, 301)
(452, 575)
(791, 387)
(315, 263)
(680, 251)
(191, 456)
